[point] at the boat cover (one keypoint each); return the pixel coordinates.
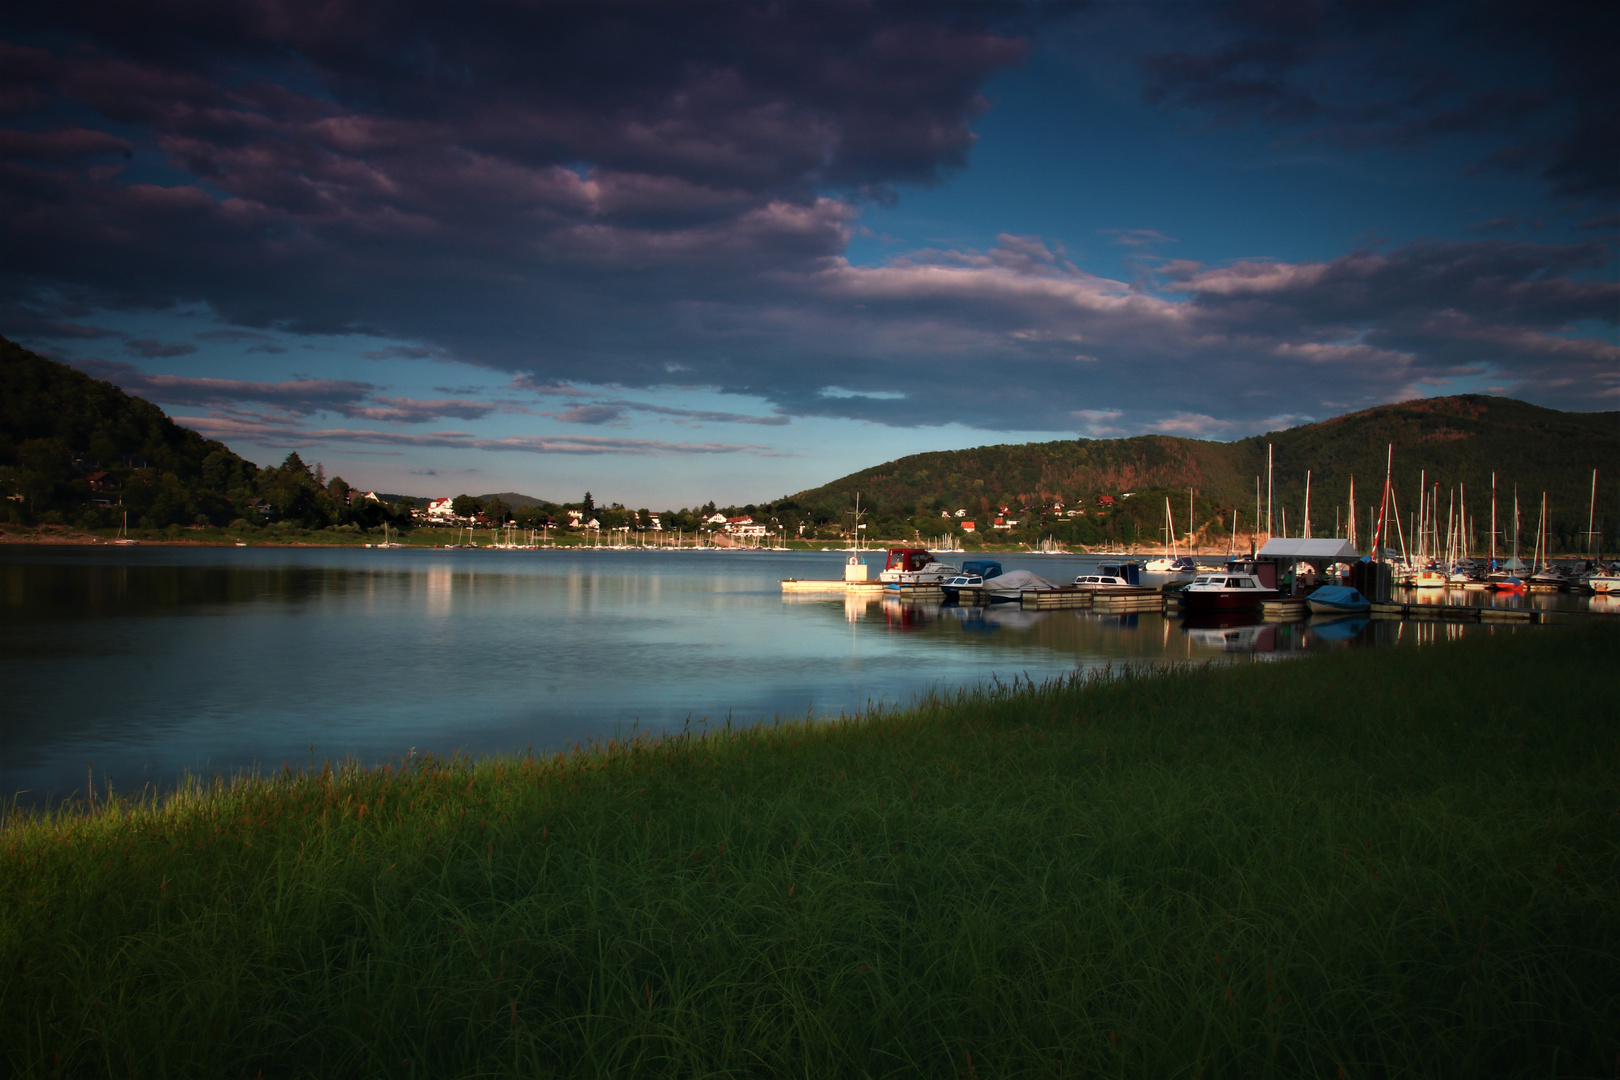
(987, 568)
(1017, 581)
(1342, 596)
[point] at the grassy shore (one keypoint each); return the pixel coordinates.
(1361, 864)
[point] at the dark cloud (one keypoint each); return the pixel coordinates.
(288, 434)
(591, 414)
(227, 333)
(152, 349)
(703, 415)
(1537, 80)
(296, 396)
(632, 196)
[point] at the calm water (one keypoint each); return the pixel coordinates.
(140, 664)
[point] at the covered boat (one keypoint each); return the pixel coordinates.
(1338, 600)
(1014, 584)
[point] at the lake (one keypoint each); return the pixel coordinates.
(137, 665)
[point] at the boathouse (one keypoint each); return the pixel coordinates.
(1301, 556)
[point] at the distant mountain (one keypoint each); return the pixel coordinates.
(1452, 440)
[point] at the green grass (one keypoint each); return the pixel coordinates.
(1402, 863)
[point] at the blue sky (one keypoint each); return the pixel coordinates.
(679, 252)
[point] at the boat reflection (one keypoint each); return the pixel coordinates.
(1340, 630)
(1256, 637)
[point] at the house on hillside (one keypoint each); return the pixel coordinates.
(439, 510)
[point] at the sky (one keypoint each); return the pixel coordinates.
(680, 252)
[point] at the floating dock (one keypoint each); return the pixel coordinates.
(1284, 610)
(1048, 599)
(808, 585)
(1465, 613)
(1127, 600)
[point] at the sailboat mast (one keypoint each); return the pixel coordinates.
(1515, 528)
(1419, 533)
(1352, 509)
(1591, 516)
(1271, 491)
(1493, 521)
(1306, 533)
(1383, 510)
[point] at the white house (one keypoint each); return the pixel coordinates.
(439, 510)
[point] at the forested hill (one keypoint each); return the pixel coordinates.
(79, 451)
(1455, 440)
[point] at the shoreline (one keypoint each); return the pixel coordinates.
(65, 536)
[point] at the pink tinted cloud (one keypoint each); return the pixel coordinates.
(286, 434)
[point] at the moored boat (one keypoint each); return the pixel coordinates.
(972, 576)
(1337, 600)
(915, 566)
(1014, 584)
(1228, 591)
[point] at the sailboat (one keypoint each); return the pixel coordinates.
(1428, 575)
(1507, 579)
(1546, 576)
(1175, 562)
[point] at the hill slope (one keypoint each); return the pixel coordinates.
(80, 451)
(1454, 440)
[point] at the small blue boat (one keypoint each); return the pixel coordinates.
(1338, 600)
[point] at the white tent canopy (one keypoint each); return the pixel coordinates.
(1284, 548)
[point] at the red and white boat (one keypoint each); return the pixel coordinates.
(915, 566)
(1228, 591)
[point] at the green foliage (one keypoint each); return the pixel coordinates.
(1393, 863)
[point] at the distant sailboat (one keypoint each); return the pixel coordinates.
(123, 539)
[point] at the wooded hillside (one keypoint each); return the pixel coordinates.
(1453, 440)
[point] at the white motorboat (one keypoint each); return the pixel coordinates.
(915, 566)
(1229, 591)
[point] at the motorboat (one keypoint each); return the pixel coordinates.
(1107, 583)
(1181, 565)
(1337, 600)
(1603, 582)
(915, 566)
(1229, 591)
(972, 576)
